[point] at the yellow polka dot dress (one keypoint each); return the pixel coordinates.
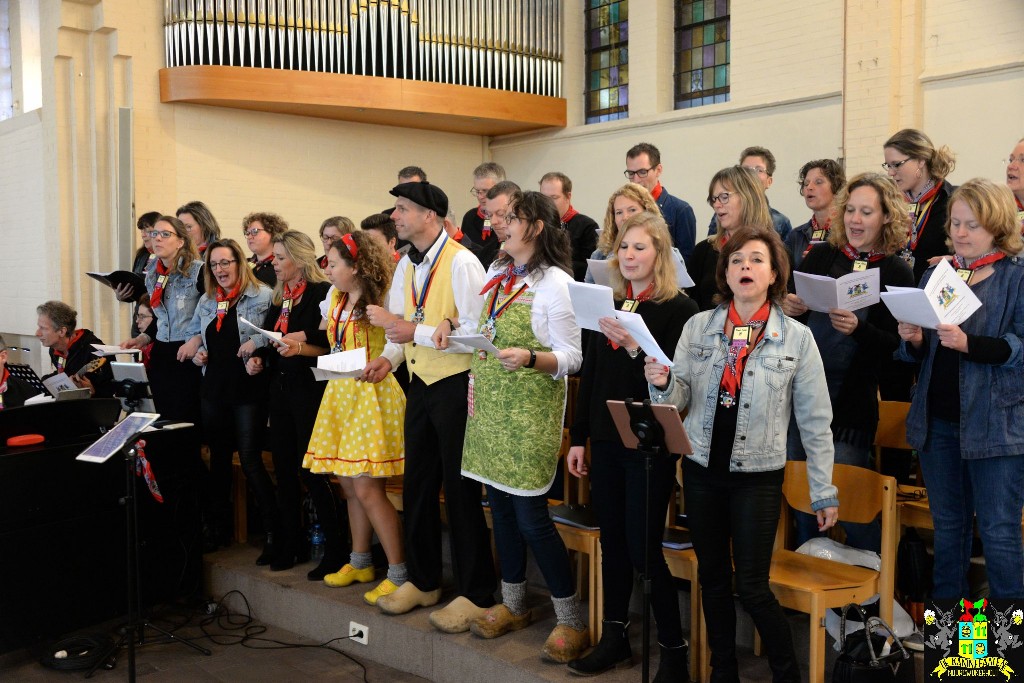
(360, 427)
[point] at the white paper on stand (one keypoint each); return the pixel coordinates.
(851, 292)
(598, 270)
(637, 329)
(476, 341)
(946, 299)
(275, 336)
(591, 303)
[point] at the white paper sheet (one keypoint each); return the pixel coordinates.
(638, 330)
(682, 277)
(598, 270)
(58, 383)
(111, 350)
(353, 360)
(275, 336)
(946, 299)
(851, 292)
(477, 341)
(590, 303)
(321, 375)
(39, 398)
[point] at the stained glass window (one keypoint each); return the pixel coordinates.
(6, 74)
(607, 60)
(702, 52)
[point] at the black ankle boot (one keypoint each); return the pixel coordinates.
(270, 551)
(612, 651)
(674, 666)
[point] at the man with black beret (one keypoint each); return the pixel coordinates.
(437, 283)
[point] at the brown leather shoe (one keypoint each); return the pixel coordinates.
(565, 644)
(497, 621)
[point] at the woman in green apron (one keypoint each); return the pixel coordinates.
(516, 408)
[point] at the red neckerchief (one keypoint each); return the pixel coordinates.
(458, 235)
(569, 215)
(288, 300)
(721, 242)
(967, 271)
(161, 279)
(322, 262)
(852, 254)
(396, 257)
(224, 302)
(642, 296)
(508, 276)
(256, 263)
(485, 232)
(1020, 206)
(3, 386)
(736, 358)
(62, 357)
(202, 248)
(920, 216)
(656, 192)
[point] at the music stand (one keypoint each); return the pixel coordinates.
(124, 438)
(131, 385)
(650, 428)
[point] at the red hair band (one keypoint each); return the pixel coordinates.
(351, 244)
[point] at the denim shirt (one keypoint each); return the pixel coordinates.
(252, 305)
(991, 396)
(783, 375)
(178, 301)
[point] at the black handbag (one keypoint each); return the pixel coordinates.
(859, 661)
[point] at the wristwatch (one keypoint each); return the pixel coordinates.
(533, 359)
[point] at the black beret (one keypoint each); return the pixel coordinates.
(426, 195)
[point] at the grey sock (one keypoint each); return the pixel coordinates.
(361, 560)
(514, 597)
(567, 611)
(398, 573)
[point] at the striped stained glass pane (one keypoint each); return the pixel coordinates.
(607, 59)
(702, 52)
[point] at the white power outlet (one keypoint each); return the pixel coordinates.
(354, 629)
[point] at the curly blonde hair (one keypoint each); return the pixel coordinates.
(666, 286)
(609, 239)
(896, 226)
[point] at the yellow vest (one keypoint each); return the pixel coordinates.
(431, 365)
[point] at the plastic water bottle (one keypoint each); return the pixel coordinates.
(316, 550)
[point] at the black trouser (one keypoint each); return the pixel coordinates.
(618, 490)
(435, 428)
(733, 518)
(229, 426)
(294, 401)
(174, 385)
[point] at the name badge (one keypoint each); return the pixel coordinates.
(161, 280)
(965, 274)
(818, 235)
(1020, 217)
(223, 305)
(859, 265)
(630, 305)
(741, 334)
(912, 209)
(286, 305)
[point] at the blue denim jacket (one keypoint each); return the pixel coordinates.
(787, 378)
(991, 396)
(252, 305)
(178, 302)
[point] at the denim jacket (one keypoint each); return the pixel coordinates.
(991, 396)
(783, 375)
(252, 305)
(178, 301)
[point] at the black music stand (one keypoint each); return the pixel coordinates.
(125, 438)
(651, 429)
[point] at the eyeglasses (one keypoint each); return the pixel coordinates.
(1019, 159)
(143, 316)
(722, 197)
(640, 172)
(511, 217)
(757, 169)
(479, 194)
(893, 167)
(251, 232)
(222, 264)
(162, 234)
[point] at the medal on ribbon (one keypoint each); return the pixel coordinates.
(419, 299)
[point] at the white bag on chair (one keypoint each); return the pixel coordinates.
(828, 549)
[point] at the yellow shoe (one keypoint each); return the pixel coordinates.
(385, 587)
(348, 575)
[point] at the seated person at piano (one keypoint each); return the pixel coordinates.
(71, 350)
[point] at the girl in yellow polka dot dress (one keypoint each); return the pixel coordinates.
(359, 433)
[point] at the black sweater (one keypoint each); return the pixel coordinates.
(932, 240)
(473, 226)
(582, 233)
(18, 391)
(701, 267)
(304, 317)
(855, 406)
(611, 374)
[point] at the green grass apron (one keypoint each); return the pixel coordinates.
(514, 429)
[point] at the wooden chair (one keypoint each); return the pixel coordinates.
(682, 564)
(814, 585)
(892, 428)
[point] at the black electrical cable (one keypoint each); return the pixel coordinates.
(82, 652)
